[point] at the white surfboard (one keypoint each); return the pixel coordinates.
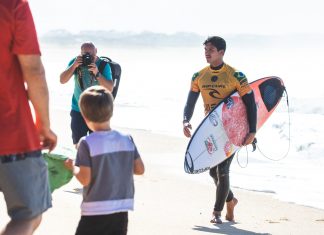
(222, 131)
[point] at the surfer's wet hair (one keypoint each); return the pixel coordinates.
(96, 104)
(217, 42)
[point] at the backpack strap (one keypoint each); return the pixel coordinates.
(102, 65)
(115, 72)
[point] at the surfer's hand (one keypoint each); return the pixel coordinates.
(186, 129)
(249, 139)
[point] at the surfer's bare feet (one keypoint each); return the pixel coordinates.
(216, 219)
(230, 209)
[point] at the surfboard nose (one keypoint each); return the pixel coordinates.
(188, 163)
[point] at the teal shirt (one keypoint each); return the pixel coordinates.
(87, 80)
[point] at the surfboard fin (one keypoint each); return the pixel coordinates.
(254, 144)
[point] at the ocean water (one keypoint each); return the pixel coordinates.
(154, 86)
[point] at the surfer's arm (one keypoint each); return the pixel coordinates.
(249, 102)
(251, 111)
(188, 112)
(190, 106)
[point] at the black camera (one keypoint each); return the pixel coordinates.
(86, 59)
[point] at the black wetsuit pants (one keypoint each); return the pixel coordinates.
(220, 174)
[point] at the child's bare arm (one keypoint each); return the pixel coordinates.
(82, 173)
(139, 167)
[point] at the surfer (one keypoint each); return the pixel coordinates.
(215, 82)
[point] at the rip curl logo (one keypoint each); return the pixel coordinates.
(214, 93)
(210, 144)
(213, 119)
(229, 103)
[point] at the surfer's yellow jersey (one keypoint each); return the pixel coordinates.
(216, 84)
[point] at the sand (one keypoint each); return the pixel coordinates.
(169, 201)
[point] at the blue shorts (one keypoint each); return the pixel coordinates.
(24, 183)
(78, 126)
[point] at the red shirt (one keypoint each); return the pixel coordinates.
(17, 37)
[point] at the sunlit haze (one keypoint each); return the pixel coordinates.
(203, 17)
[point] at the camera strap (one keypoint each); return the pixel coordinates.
(80, 80)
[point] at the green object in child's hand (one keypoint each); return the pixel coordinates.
(58, 175)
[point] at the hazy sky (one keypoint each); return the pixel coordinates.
(204, 17)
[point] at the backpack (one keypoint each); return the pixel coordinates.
(115, 72)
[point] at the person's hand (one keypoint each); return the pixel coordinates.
(48, 139)
(249, 139)
(77, 62)
(186, 129)
(93, 68)
(68, 163)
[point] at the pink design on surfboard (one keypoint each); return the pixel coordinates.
(235, 126)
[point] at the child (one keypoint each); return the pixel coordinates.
(105, 163)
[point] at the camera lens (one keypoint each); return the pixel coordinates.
(86, 59)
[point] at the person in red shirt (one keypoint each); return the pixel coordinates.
(23, 172)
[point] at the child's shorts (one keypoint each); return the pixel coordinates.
(112, 224)
(24, 183)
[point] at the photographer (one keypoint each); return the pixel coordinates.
(84, 69)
